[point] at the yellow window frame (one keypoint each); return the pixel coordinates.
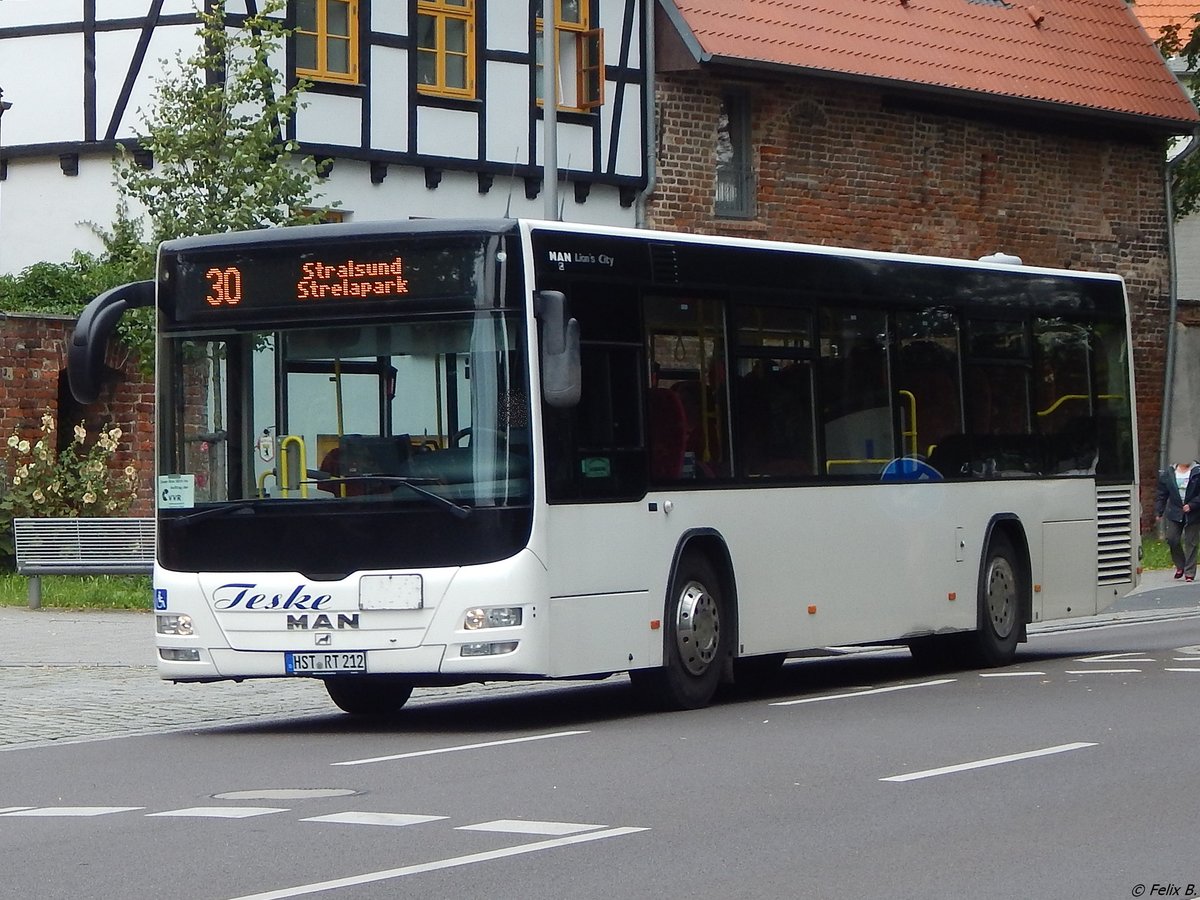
(322, 37)
(443, 12)
(588, 46)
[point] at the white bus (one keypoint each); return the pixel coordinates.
(435, 452)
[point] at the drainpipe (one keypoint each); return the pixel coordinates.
(649, 115)
(1172, 294)
(550, 110)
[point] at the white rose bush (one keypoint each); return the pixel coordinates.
(39, 481)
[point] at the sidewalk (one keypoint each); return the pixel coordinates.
(69, 637)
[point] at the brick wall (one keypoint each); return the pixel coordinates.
(33, 381)
(839, 164)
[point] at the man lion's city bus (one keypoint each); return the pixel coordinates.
(394, 455)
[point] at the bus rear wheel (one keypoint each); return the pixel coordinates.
(1002, 596)
(368, 695)
(695, 643)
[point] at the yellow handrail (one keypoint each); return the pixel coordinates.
(1065, 397)
(284, 475)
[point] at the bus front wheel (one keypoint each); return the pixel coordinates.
(696, 640)
(368, 695)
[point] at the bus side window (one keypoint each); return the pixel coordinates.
(928, 380)
(596, 449)
(856, 409)
(686, 348)
(775, 425)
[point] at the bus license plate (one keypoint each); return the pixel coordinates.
(324, 663)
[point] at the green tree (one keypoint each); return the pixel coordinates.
(215, 131)
(1183, 42)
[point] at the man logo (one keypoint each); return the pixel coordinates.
(321, 620)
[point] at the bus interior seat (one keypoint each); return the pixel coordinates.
(668, 434)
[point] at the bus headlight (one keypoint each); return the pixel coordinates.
(175, 624)
(493, 617)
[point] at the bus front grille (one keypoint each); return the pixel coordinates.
(1114, 535)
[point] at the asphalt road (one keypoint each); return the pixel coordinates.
(1070, 773)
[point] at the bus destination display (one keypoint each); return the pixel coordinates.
(305, 283)
(318, 281)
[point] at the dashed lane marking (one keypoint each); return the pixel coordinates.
(480, 746)
(993, 761)
(1181, 670)
(436, 865)
(1008, 674)
(218, 812)
(864, 693)
(71, 811)
(373, 818)
(522, 826)
(1103, 671)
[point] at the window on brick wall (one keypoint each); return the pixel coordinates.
(734, 181)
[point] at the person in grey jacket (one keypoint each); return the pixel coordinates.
(1177, 504)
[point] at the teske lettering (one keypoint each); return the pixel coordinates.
(241, 596)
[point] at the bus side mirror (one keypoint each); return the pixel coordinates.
(560, 350)
(89, 341)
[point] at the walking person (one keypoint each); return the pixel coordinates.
(1177, 503)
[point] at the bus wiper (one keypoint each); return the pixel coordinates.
(223, 507)
(414, 485)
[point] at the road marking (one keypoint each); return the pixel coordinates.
(1181, 670)
(12, 809)
(1102, 671)
(994, 761)
(1113, 657)
(436, 865)
(374, 818)
(522, 826)
(1008, 674)
(218, 812)
(882, 690)
(521, 740)
(52, 811)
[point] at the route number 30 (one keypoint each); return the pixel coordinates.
(225, 286)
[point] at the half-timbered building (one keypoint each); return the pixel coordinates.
(417, 108)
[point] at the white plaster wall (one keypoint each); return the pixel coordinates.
(389, 109)
(507, 136)
(330, 119)
(14, 13)
(509, 32)
(43, 213)
(574, 146)
(403, 195)
(630, 146)
(47, 96)
(389, 18)
(447, 132)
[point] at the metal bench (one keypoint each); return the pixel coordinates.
(82, 546)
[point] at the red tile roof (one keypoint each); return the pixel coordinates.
(1156, 14)
(1084, 56)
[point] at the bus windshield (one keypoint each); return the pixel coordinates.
(354, 414)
